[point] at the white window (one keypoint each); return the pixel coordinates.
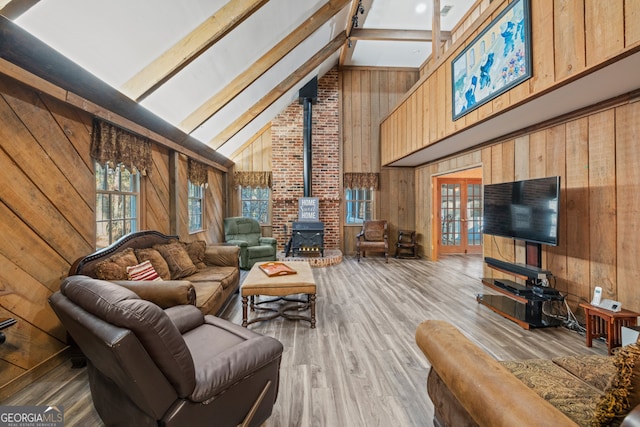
(255, 203)
(359, 205)
(117, 195)
(196, 207)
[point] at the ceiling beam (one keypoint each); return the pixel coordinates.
(12, 9)
(284, 86)
(346, 51)
(397, 35)
(261, 66)
(189, 48)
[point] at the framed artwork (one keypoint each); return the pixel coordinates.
(498, 59)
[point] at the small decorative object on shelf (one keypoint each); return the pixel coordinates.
(5, 323)
(276, 269)
(406, 246)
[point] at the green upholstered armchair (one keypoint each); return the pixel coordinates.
(246, 233)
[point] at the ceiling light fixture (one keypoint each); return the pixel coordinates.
(445, 10)
(421, 8)
(354, 21)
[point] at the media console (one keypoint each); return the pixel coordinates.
(523, 304)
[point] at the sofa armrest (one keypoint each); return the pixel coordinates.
(487, 390)
(222, 255)
(164, 293)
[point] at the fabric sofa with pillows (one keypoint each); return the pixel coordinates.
(470, 388)
(166, 270)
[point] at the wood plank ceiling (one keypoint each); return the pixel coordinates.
(220, 70)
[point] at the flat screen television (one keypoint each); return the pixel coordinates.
(524, 210)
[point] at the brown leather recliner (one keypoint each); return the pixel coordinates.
(174, 367)
(373, 238)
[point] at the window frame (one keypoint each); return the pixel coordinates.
(201, 199)
(129, 223)
(349, 201)
(263, 200)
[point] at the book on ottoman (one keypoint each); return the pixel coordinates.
(276, 269)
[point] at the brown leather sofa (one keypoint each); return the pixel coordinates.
(212, 270)
(174, 367)
(470, 388)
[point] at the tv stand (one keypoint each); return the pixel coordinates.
(522, 304)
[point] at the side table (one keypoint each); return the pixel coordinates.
(608, 324)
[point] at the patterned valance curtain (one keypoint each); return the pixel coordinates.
(361, 180)
(252, 179)
(113, 145)
(198, 173)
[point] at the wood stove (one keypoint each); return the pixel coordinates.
(307, 238)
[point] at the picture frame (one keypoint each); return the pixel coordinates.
(498, 59)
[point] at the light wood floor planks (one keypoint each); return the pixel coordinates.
(360, 366)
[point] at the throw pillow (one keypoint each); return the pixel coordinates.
(115, 267)
(196, 252)
(623, 393)
(158, 262)
(177, 259)
(143, 271)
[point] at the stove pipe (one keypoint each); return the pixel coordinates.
(308, 96)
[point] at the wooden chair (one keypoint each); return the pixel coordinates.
(373, 238)
(406, 246)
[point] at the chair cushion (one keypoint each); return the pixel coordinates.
(121, 307)
(575, 398)
(260, 251)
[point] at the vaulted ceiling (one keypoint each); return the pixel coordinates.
(221, 70)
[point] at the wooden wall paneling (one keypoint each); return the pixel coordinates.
(443, 115)
(449, 124)
(556, 166)
(604, 29)
(425, 113)
(375, 109)
(26, 347)
(356, 122)
(367, 145)
(569, 38)
(542, 44)
(412, 123)
(347, 126)
(157, 206)
(181, 196)
(36, 210)
(602, 202)
(537, 154)
(631, 22)
(419, 118)
(20, 125)
(520, 172)
(434, 106)
(577, 210)
(628, 205)
(215, 206)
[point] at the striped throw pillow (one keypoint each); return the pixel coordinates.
(143, 271)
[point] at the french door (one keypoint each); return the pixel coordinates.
(460, 215)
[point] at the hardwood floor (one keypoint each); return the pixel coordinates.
(360, 366)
